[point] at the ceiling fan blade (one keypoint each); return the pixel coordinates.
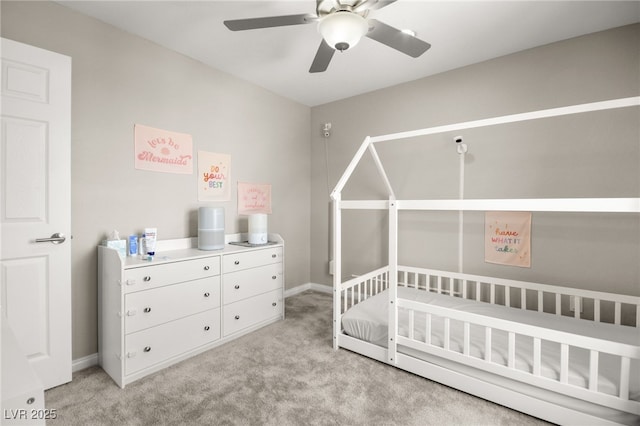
(372, 5)
(396, 39)
(269, 22)
(323, 57)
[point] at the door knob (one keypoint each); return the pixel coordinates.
(56, 238)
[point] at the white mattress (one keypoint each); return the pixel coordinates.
(368, 321)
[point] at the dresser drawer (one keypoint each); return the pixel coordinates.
(248, 312)
(250, 259)
(250, 282)
(151, 346)
(147, 308)
(152, 276)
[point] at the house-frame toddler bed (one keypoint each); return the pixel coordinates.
(503, 340)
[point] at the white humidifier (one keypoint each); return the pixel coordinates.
(258, 228)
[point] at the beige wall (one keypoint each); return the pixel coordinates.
(591, 155)
(120, 80)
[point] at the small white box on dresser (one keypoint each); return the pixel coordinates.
(153, 314)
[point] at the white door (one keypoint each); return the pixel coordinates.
(35, 204)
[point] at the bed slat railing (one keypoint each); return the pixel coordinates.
(516, 334)
(553, 300)
(625, 365)
(562, 301)
(593, 370)
(540, 294)
(361, 287)
(537, 356)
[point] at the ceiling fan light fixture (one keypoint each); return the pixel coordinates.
(343, 29)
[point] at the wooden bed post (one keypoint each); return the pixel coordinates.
(393, 280)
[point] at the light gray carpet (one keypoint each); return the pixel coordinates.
(284, 374)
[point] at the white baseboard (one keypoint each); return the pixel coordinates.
(308, 286)
(84, 362)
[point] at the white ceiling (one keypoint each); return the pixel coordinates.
(278, 59)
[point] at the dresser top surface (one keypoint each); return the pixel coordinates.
(183, 249)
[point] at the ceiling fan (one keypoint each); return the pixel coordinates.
(342, 23)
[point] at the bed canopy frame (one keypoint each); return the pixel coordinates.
(394, 205)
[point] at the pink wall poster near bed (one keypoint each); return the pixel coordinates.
(254, 198)
(162, 150)
(507, 238)
(214, 171)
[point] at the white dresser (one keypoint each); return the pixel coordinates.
(155, 313)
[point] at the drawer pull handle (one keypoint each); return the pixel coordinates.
(147, 349)
(206, 294)
(206, 328)
(237, 262)
(237, 287)
(273, 277)
(206, 268)
(147, 310)
(237, 317)
(274, 304)
(274, 256)
(31, 400)
(147, 278)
